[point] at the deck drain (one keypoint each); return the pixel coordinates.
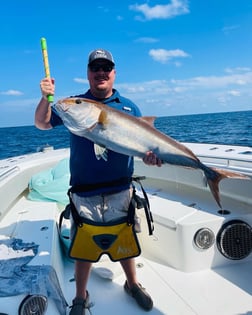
(139, 265)
(44, 228)
(224, 212)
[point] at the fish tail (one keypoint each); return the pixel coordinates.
(215, 175)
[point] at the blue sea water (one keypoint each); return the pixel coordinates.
(221, 128)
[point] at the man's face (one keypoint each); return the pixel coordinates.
(101, 76)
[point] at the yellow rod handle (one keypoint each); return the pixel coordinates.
(46, 65)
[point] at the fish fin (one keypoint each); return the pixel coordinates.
(101, 152)
(149, 119)
(214, 187)
(229, 174)
(219, 175)
(103, 118)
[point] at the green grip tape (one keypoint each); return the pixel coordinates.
(50, 98)
(43, 43)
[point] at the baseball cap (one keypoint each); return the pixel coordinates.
(100, 54)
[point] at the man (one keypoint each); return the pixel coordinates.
(102, 203)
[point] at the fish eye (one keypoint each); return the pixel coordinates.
(78, 101)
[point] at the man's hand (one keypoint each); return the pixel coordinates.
(151, 159)
(47, 87)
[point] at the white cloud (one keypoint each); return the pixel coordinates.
(148, 40)
(238, 70)
(12, 93)
(177, 64)
(216, 81)
(234, 93)
(228, 29)
(159, 11)
(163, 55)
(191, 95)
(147, 88)
(18, 105)
(81, 80)
(221, 87)
(104, 9)
(136, 89)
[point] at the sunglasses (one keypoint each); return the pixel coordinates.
(97, 67)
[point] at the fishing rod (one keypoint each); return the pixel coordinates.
(46, 65)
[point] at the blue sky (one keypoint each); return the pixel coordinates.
(172, 57)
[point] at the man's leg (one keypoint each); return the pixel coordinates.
(133, 287)
(81, 301)
(129, 268)
(82, 272)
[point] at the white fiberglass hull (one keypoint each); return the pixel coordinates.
(181, 277)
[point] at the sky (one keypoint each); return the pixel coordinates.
(173, 57)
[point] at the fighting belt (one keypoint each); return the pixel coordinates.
(117, 239)
(92, 240)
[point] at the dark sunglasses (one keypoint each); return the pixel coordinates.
(97, 67)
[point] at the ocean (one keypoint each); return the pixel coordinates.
(234, 128)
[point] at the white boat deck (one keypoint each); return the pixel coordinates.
(225, 290)
(181, 279)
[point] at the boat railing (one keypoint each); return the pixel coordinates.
(9, 172)
(243, 165)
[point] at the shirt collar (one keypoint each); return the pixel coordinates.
(115, 97)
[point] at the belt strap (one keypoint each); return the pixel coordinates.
(136, 202)
(90, 187)
(143, 203)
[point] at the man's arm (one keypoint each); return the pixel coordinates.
(43, 110)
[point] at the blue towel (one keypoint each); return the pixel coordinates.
(16, 277)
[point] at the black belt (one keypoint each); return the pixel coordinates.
(89, 187)
(136, 201)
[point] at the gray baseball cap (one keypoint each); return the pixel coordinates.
(100, 54)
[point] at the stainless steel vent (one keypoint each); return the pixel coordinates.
(234, 239)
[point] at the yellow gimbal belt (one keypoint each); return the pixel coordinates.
(92, 240)
(117, 239)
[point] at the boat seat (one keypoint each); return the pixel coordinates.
(167, 211)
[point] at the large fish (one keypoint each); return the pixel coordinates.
(112, 129)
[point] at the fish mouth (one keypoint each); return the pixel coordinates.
(63, 106)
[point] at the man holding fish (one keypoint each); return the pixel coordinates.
(96, 167)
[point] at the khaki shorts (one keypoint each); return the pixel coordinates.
(102, 208)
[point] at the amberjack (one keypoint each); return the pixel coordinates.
(118, 131)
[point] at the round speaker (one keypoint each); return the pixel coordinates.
(234, 239)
